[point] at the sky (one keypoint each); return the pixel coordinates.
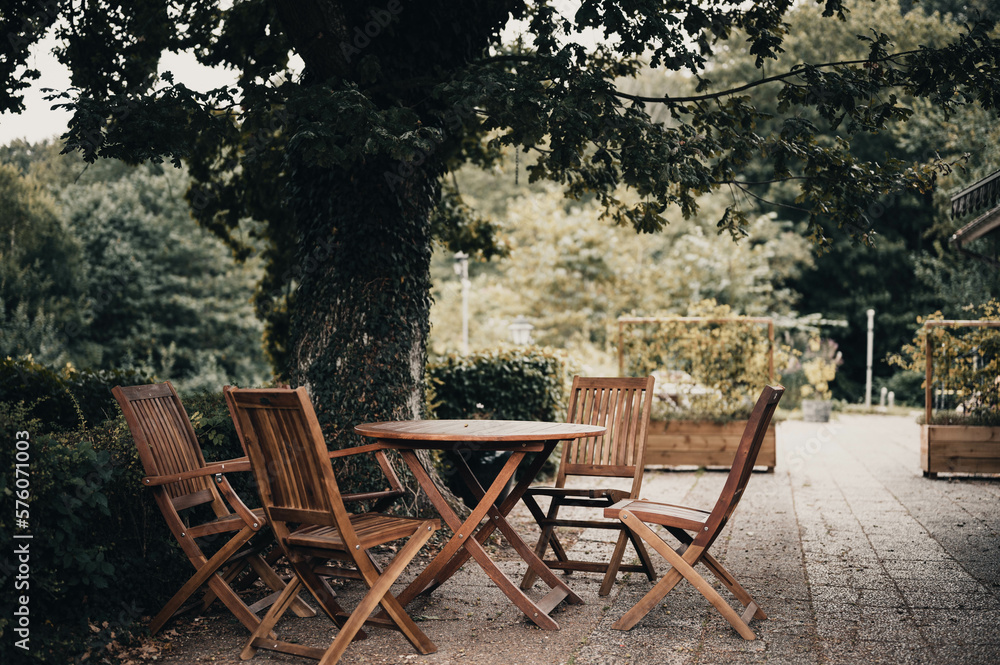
(39, 121)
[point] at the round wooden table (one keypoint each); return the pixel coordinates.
(515, 436)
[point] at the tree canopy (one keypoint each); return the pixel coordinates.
(341, 156)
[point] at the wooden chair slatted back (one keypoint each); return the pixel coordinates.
(288, 455)
(622, 406)
(166, 441)
(743, 462)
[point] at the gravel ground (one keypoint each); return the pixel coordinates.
(854, 556)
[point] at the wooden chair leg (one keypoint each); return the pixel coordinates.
(229, 575)
(285, 599)
(720, 573)
(324, 595)
(613, 564)
(378, 594)
(543, 540)
(727, 579)
(540, 548)
(547, 539)
(275, 583)
(206, 571)
(644, 558)
(635, 614)
(683, 565)
(389, 603)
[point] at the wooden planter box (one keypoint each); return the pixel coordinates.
(684, 442)
(959, 449)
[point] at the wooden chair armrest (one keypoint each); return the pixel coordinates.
(368, 496)
(237, 504)
(238, 464)
(394, 490)
(613, 494)
(357, 450)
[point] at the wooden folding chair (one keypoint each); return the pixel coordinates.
(303, 502)
(705, 525)
(180, 479)
(622, 406)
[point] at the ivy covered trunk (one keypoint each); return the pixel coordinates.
(360, 319)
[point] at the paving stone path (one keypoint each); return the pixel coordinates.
(854, 555)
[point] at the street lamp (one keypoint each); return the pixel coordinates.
(520, 331)
(462, 270)
(868, 371)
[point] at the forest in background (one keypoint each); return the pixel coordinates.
(603, 272)
(102, 266)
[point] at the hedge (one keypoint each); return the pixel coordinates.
(101, 556)
(66, 398)
(506, 383)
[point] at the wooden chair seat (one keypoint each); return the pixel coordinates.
(696, 530)
(622, 406)
(691, 519)
(599, 493)
(372, 530)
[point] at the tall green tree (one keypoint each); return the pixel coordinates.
(893, 277)
(39, 262)
(573, 275)
(162, 292)
(105, 268)
(342, 160)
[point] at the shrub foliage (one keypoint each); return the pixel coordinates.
(705, 370)
(965, 366)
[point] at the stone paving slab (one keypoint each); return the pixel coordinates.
(852, 553)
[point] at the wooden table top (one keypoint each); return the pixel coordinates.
(477, 430)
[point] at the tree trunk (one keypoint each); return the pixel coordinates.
(360, 315)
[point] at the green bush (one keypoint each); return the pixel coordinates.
(69, 578)
(65, 399)
(712, 369)
(966, 362)
(506, 383)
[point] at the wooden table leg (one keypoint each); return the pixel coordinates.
(468, 539)
(505, 508)
(462, 531)
(498, 520)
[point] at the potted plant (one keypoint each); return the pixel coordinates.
(709, 367)
(819, 367)
(960, 432)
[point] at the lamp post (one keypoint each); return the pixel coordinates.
(868, 370)
(462, 270)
